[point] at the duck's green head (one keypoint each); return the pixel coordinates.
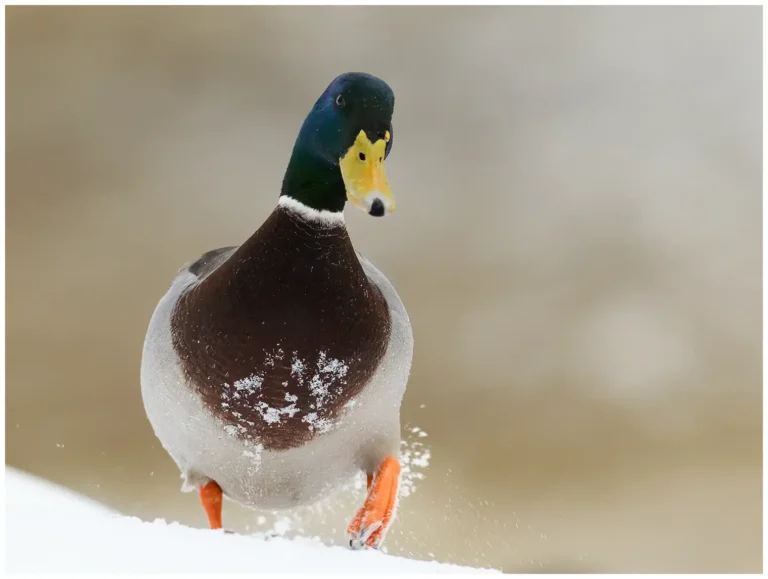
(340, 151)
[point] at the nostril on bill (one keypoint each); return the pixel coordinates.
(377, 208)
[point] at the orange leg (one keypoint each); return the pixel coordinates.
(372, 521)
(211, 497)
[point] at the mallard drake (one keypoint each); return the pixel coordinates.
(273, 372)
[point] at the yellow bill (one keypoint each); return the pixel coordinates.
(362, 169)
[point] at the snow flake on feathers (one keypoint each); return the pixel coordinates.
(322, 379)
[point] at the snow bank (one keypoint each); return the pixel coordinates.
(49, 528)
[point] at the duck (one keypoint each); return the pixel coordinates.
(273, 372)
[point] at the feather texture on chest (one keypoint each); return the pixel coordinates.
(283, 334)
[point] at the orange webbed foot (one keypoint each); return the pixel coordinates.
(211, 496)
(372, 521)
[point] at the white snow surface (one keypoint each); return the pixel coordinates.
(52, 529)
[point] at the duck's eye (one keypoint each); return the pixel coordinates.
(362, 156)
(340, 101)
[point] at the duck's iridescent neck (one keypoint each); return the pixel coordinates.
(313, 180)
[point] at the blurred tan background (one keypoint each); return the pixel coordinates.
(578, 245)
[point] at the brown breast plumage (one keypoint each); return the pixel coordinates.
(284, 333)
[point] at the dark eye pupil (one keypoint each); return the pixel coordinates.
(362, 156)
(340, 100)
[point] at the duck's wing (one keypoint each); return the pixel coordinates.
(208, 262)
(401, 321)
